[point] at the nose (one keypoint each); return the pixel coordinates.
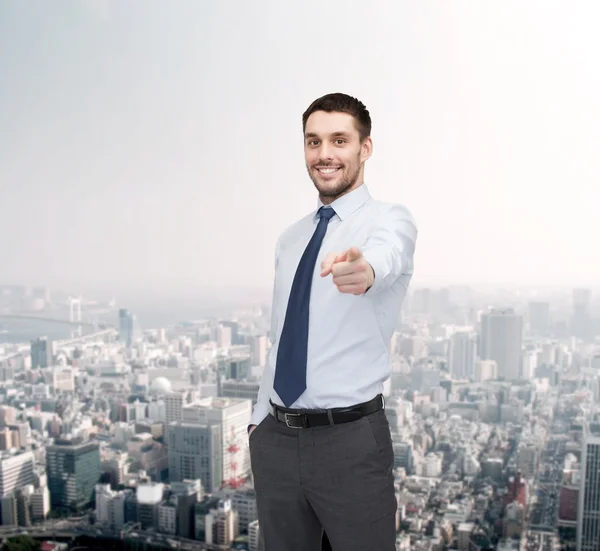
(326, 152)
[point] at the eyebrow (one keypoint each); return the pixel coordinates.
(315, 135)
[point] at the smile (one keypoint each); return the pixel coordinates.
(328, 170)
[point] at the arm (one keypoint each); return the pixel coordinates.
(261, 409)
(390, 248)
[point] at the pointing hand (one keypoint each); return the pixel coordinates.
(352, 274)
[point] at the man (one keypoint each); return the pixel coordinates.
(320, 443)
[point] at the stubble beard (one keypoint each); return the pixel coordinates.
(347, 181)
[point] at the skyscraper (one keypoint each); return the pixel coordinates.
(501, 338)
(588, 514)
(581, 322)
(233, 416)
(195, 453)
(539, 317)
(16, 471)
(41, 353)
(462, 355)
(73, 469)
(128, 327)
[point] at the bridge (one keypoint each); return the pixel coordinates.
(75, 321)
(24, 351)
(31, 317)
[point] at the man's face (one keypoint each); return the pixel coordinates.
(334, 154)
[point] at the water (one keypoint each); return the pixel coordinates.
(19, 331)
(150, 316)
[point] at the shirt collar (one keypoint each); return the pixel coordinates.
(347, 204)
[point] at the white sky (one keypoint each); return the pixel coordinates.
(160, 148)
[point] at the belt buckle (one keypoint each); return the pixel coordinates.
(287, 422)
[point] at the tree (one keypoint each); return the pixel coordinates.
(21, 543)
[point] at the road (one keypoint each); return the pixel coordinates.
(71, 529)
(544, 516)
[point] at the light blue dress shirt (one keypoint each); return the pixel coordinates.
(349, 336)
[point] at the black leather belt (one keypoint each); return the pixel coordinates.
(306, 418)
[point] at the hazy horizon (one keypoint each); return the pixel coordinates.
(159, 151)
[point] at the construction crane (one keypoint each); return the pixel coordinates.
(234, 481)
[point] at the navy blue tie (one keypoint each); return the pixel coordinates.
(290, 370)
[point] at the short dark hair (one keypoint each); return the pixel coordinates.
(342, 103)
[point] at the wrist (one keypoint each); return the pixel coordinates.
(371, 278)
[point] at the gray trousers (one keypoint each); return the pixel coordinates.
(336, 478)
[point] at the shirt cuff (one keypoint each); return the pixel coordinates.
(381, 261)
(261, 410)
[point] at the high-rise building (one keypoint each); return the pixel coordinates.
(110, 506)
(238, 368)
(462, 355)
(16, 471)
(420, 301)
(233, 416)
(254, 536)
(195, 452)
(588, 511)
(224, 336)
(244, 502)
(149, 497)
(527, 458)
(41, 353)
(167, 516)
(233, 335)
(73, 468)
(203, 509)
(40, 503)
(128, 327)
(403, 456)
(174, 402)
(239, 389)
(581, 322)
(258, 346)
(222, 524)
(485, 370)
(8, 415)
(539, 317)
(185, 495)
(8, 506)
(501, 339)
(125, 326)
(424, 378)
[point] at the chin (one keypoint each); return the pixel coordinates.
(329, 191)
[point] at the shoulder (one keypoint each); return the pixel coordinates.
(296, 231)
(392, 213)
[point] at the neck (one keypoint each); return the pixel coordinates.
(330, 199)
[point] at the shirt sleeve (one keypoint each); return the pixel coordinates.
(261, 409)
(390, 248)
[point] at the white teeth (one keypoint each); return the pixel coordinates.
(327, 170)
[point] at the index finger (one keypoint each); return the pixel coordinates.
(329, 261)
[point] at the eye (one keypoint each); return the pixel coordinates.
(340, 141)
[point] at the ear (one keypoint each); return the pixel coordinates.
(366, 149)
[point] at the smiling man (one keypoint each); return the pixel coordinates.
(320, 445)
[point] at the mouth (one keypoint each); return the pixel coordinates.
(328, 170)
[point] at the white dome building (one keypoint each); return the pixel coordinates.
(160, 385)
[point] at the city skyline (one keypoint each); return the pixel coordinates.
(487, 411)
(139, 148)
(151, 156)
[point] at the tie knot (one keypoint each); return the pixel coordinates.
(326, 212)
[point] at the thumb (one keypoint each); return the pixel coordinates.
(353, 254)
